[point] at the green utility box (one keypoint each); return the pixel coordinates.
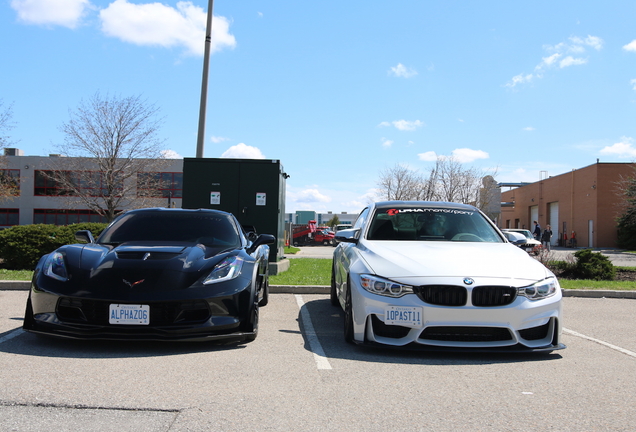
(251, 189)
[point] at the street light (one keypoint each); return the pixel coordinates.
(204, 81)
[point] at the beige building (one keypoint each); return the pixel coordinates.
(584, 203)
(39, 201)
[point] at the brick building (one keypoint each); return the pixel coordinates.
(585, 201)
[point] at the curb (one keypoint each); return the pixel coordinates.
(325, 289)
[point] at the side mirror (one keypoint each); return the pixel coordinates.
(84, 236)
(348, 236)
(261, 240)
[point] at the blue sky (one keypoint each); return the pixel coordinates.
(340, 90)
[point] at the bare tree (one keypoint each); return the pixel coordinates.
(448, 180)
(8, 184)
(454, 183)
(400, 183)
(115, 150)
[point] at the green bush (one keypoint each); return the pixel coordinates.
(593, 266)
(22, 246)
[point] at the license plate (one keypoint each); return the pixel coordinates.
(129, 314)
(409, 316)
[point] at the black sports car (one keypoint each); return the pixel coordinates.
(154, 274)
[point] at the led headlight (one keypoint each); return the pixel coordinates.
(55, 267)
(227, 269)
(385, 287)
(540, 290)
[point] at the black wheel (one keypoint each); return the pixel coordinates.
(253, 325)
(28, 316)
(348, 316)
(334, 293)
(265, 288)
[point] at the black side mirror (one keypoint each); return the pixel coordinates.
(261, 240)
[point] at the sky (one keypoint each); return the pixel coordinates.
(339, 91)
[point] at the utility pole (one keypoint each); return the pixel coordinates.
(204, 81)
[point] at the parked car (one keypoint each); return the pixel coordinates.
(437, 275)
(530, 244)
(154, 274)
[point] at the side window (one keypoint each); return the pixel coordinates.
(362, 218)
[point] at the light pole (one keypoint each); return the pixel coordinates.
(204, 81)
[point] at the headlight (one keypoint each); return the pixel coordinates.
(540, 290)
(227, 269)
(385, 287)
(55, 267)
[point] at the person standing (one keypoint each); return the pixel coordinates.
(536, 232)
(546, 237)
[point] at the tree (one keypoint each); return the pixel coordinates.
(400, 183)
(626, 221)
(335, 220)
(113, 141)
(8, 184)
(448, 180)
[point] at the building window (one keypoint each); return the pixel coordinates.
(65, 217)
(73, 183)
(10, 179)
(160, 185)
(9, 217)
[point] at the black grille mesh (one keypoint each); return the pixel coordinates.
(466, 334)
(442, 295)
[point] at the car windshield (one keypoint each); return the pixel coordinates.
(432, 224)
(204, 228)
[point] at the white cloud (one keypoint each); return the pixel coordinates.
(630, 46)
(464, 155)
(429, 156)
(386, 142)
(559, 57)
(403, 125)
(519, 79)
(156, 24)
(633, 84)
(623, 150)
(571, 61)
(528, 129)
(311, 196)
(217, 139)
(402, 71)
(65, 13)
(243, 151)
(170, 154)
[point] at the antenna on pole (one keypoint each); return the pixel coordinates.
(204, 81)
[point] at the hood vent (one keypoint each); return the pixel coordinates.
(147, 256)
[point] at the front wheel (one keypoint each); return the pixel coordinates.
(348, 317)
(252, 324)
(334, 294)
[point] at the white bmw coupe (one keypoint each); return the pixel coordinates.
(441, 276)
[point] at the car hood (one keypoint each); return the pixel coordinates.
(139, 266)
(399, 259)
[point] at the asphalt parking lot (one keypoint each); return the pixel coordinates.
(299, 374)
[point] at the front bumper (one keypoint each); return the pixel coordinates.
(522, 325)
(194, 314)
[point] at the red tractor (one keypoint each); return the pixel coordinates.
(309, 234)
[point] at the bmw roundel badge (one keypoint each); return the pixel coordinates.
(468, 281)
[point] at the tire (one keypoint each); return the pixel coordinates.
(265, 298)
(253, 324)
(334, 294)
(28, 322)
(348, 317)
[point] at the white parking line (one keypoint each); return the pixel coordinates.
(609, 345)
(14, 333)
(312, 338)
